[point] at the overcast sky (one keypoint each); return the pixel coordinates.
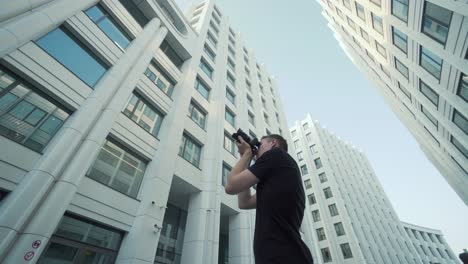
(315, 76)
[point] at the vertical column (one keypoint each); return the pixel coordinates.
(140, 244)
(17, 31)
(202, 230)
(43, 219)
(240, 239)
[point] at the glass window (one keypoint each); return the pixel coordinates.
(431, 62)
(171, 54)
(328, 193)
(400, 40)
(364, 35)
(216, 18)
(231, 64)
(209, 52)
(346, 249)
(313, 148)
(436, 22)
(376, 2)
(351, 23)
(321, 234)
(323, 177)
(299, 156)
(381, 49)
(460, 121)
(109, 26)
(230, 96)
(26, 116)
(404, 90)
(400, 9)
(294, 134)
(296, 144)
(229, 143)
(206, 69)
(318, 163)
(340, 13)
(197, 114)
(333, 210)
(231, 79)
(144, 114)
(308, 184)
(310, 197)
(135, 12)
(72, 54)
(463, 87)
(232, 41)
(429, 116)
(212, 39)
(309, 137)
(214, 27)
(250, 101)
(401, 68)
(225, 173)
(339, 229)
(202, 88)
(3, 194)
(326, 255)
(347, 4)
(265, 117)
(231, 51)
(316, 215)
(429, 93)
(190, 150)
(304, 170)
(170, 244)
(230, 117)
(377, 23)
(76, 240)
(162, 80)
(118, 168)
(249, 86)
(360, 11)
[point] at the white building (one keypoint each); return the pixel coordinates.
(115, 118)
(353, 219)
(430, 244)
(415, 53)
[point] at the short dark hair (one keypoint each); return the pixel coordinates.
(281, 141)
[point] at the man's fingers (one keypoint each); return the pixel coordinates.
(241, 140)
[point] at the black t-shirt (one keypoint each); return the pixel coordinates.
(280, 209)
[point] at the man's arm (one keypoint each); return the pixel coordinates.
(241, 179)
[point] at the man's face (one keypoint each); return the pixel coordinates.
(266, 145)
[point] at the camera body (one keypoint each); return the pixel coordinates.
(254, 143)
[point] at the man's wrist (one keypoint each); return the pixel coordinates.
(248, 154)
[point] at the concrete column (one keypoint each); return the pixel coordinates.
(21, 29)
(202, 230)
(240, 238)
(140, 244)
(117, 86)
(14, 8)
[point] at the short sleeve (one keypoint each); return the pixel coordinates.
(263, 165)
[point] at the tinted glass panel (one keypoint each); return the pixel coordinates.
(61, 45)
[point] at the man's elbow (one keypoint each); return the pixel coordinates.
(229, 190)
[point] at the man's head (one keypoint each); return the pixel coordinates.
(270, 141)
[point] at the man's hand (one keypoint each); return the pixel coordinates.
(243, 147)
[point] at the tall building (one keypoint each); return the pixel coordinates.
(415, 54)
(430, 244)
(115, 123)
(353, 219)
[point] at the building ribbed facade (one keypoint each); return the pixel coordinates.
(353, 219)
(115, 124)
(430, 244)
(415, 54)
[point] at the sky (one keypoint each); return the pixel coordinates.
(315, 76)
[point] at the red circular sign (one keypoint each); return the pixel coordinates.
(28, 256)
(36, 244)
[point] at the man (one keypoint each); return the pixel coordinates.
(279, 200)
